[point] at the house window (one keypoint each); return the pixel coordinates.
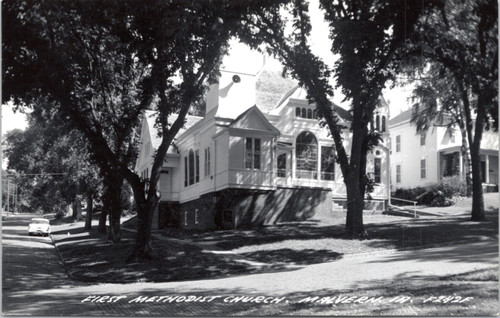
(377, 123)
(398, 143)
(197, 165)
(377, 168)
(207, 162)
(327, 163)
(422, 139)
(452, 135)
(422, 169)
(191, 167)
(398, 174)
(297, 112)
(383, 123)
(304, 113)
(185, 171)
(196, 216)
(307, 156)
(309, 113)
(185, 218)
(282, 165)
(315, 114)
(252, 153)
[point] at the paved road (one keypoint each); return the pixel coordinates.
(35, 283)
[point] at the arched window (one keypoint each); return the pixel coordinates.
(377, 123)
(306, 149)
(371, 125)
(191, 167)
(304, 113)
(383, 123)
(297, 112)
(315, 114)
(309, 113)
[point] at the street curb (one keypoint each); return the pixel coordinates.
(61, 260)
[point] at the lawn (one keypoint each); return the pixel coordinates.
(474, 293)
(310, 242)
(187, 255)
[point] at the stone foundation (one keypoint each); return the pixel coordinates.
(239, 208)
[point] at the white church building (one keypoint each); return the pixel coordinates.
(252, 161)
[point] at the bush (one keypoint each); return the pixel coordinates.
(452, 186)
(434, 194)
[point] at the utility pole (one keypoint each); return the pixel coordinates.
(15, 198)
(8, 195)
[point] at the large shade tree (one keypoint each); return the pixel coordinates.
(104, 62)
(51, 166)
(456, 58)
(365, 37)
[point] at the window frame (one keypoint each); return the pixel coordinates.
(398, 173)
(379, 174)
(398, 143)
(252, 153)
(301, 161)
(324, 171)
(423, 169)
(206, 165)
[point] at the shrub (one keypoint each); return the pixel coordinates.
(435, 194)
(452, 186)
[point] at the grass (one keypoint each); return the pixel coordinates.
(479, 299)
(285, 242)
(287, 246)
(91, 257)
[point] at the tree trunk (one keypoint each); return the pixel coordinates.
(77, 209)
(115, 188)
(355, 204)
(143, 246)
(88, 217)
(114, 221)
(101, 229)
(466, 157)
(477, 186)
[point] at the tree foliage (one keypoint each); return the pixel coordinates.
(104, 62)
(51, 166)
(457, 52)
(365, 36)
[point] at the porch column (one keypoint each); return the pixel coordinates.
(487, 169)
(293, 163)
(318, 167)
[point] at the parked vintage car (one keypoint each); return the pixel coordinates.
(39, 226)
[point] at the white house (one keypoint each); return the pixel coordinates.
(418, 159)
(246, 164)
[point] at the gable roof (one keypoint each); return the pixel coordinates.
(270, 86)
(300, 93)
(254, 110)
(402, 117)
(151, 117)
